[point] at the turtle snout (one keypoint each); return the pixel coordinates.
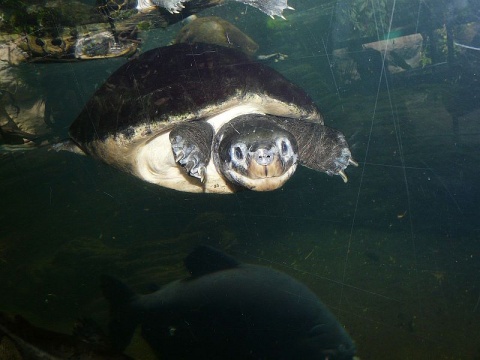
(264, 156)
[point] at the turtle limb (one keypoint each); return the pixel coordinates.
(270, 7)
(191, 146)
(68, 145)
(320, 147)
(173, 6)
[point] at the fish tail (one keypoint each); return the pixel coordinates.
(123, 317)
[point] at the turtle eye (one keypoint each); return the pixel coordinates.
(238, 153)
(284, 147)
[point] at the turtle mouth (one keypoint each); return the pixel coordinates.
(258, 182)
(256, 170)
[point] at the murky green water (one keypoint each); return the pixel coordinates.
(395, 252)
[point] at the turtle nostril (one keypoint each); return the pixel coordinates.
(263, 157)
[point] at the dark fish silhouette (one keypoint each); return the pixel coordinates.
(228, 310)
(20, 340)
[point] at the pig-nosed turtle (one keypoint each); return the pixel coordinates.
(204, 118)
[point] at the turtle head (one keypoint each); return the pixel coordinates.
(252, 151)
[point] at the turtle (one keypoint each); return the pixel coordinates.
(205, 118)
(215, 30)
(76, 31)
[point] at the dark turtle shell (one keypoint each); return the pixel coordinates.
(182, 82)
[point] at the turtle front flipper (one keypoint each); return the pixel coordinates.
(320, 147)
(191, 146)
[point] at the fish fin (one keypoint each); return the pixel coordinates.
(205, 260)
(123, 318)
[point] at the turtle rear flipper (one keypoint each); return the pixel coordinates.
(320, 147)
(68, 145)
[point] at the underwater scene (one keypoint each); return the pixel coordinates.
(239, 179)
